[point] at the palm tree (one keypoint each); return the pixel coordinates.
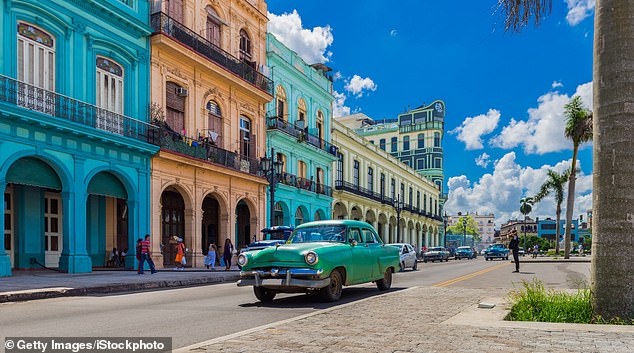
(526, 206)
(554, 184)
(579, 130)
(613, 163)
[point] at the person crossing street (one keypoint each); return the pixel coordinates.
(514, 245)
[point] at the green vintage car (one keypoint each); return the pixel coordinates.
(320, 257)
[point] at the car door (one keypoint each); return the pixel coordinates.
(375, 252)
(405, 256)
(411, 256)
(359, 262)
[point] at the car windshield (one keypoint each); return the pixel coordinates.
(435, 249)
(318, 233)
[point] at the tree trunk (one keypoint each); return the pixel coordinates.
(558, 229)
(570, 204)
(613, 223)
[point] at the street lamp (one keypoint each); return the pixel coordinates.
(399, 207)
(464, 231)
(444, 240)
(272, 171)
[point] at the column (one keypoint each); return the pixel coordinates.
(188, 237)
(198, 247)
(5, 261)
(74, 258)
(134, 234)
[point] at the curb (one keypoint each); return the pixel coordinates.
(544, 261)
(37, 294)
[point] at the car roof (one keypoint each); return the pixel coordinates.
(339, 222)
(400, 244)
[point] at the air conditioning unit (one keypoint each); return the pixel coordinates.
(182, 92)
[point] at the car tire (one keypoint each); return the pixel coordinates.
(506, 258)
(415, 267)
(332, 292)
(385, 283)
(264, 295)
(447, 260)
(425, 261)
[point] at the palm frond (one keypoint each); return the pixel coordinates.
(518, 13)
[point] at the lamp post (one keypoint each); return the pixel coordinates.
(464, 230)
(272, 170)
(444, 240)
(399, 207)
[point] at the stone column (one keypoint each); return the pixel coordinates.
(5, 260)
(188, 237)
(74, 258)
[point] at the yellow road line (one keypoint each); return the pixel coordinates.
(470, 275)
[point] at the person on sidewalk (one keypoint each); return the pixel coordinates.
(180, 255)
(146, 255)
(514, 245)
(227, 254)
(211, 256)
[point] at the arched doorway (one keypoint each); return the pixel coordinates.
(382, 227)
(339, 211)
(356, 214)
(281, 214)
(300, 216)
(210, 223)
(172, 223)
(370, 217)
(243, 225)
(319, 215)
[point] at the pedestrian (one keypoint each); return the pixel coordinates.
(122, 256)
(180, 255)
(227, 253)
(146, 255)
(535, 251)
(580, 249)
(514, 245)
(211, 256)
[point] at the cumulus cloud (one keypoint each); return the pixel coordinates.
(473, 128)
(339, 105)
(393, 33)
(579, 10)
(556, 84)
(358, 85)
(543, 132)
(310, 44)
(337, 76)
(483, 160)
(499, 192)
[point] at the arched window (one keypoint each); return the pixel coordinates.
(301, 114)
(175, 113)
(109, 95)
(281, 102)
(245, 46)
(36, 57)
(213, 26)
(214, 123)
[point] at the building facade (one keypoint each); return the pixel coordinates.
(74, 142)
(298, 130)
(547, 229)
(530, 226)
(209, 97)
(486, 224)
(373, 186)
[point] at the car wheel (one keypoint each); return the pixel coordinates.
(332, 292)
(415, 267)
(386, 282)
(264, 295)
(447, 260)
(425, 261)
(506, 258)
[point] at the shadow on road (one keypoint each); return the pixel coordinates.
(313, 301)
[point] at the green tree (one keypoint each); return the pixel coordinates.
(526, 206)
(579, 130)
(554, 184)
(472, 228)
(613, 161)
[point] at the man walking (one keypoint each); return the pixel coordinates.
(145, 255)
(514, 245)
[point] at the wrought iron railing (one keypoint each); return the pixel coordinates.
(305, 184)
(161, 23)
(302, 135)
(204, 150)
(62, 107)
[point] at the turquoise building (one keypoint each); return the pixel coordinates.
(75, 145)
(298, 129)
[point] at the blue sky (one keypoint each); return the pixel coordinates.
(504, 92)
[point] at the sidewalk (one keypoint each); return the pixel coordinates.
(30, 285)
(422, 319)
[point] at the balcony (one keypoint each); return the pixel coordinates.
(161, 23)
(302, 135)
(62, 107)
(305, 184)
(204, 150)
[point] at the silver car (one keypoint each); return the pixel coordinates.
(436, 253)
(408, 256)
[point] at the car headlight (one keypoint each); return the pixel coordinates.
(242, 259)
(311, 258)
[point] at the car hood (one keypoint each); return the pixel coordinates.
(290, 252)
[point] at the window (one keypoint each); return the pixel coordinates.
(245, 46)
(212, 26)
(339, 167)
(320, 124)
(214, 123)
(372, 142)
(36, 57)
(281, 102)
(355, 234)
(393, 189)
(299, 216)
(406, 143)
(420, 164)
(370, 179)
(369, 237)
(382, 186)
(175, 10)
(247, 140)
(382, 144)
(425, 202)
(355, 175)
(437, 163)
(301, 114)
(421, 140)
(301, 169)
(320, 177)
(175, 115)
(394, 144)
(436, 139)
(411, 196)
(281, 157)
(109, 95)
(402, 194)
(418, 199)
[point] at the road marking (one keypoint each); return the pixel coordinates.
(469, 276)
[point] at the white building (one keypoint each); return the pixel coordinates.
(486, 224)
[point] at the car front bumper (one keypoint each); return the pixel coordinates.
(284, 279)
(434, 257)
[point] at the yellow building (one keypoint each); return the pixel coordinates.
(209, 97)
(373, 186)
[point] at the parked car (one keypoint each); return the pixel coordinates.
(408, 255)
(320, 257)
(496, 251)
(271, 236)
(436, 254)
(465, 252)
(521, 252)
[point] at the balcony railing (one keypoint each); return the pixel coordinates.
(62, 107)
(161, 23)
(302, 135)
(305, 184)
(204, 150)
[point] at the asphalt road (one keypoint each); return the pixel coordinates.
(192, 315)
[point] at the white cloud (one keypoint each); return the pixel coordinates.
(473, 128)
(357, 85)
(500, 191)
(579, 10)
(393, 33)
(337, 76)
(339, 107)
(556, 84)
(483, 160)
(543, 132)
(310, 44)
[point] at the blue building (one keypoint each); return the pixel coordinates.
(547, 228)
(74, 142)
(298, 129)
